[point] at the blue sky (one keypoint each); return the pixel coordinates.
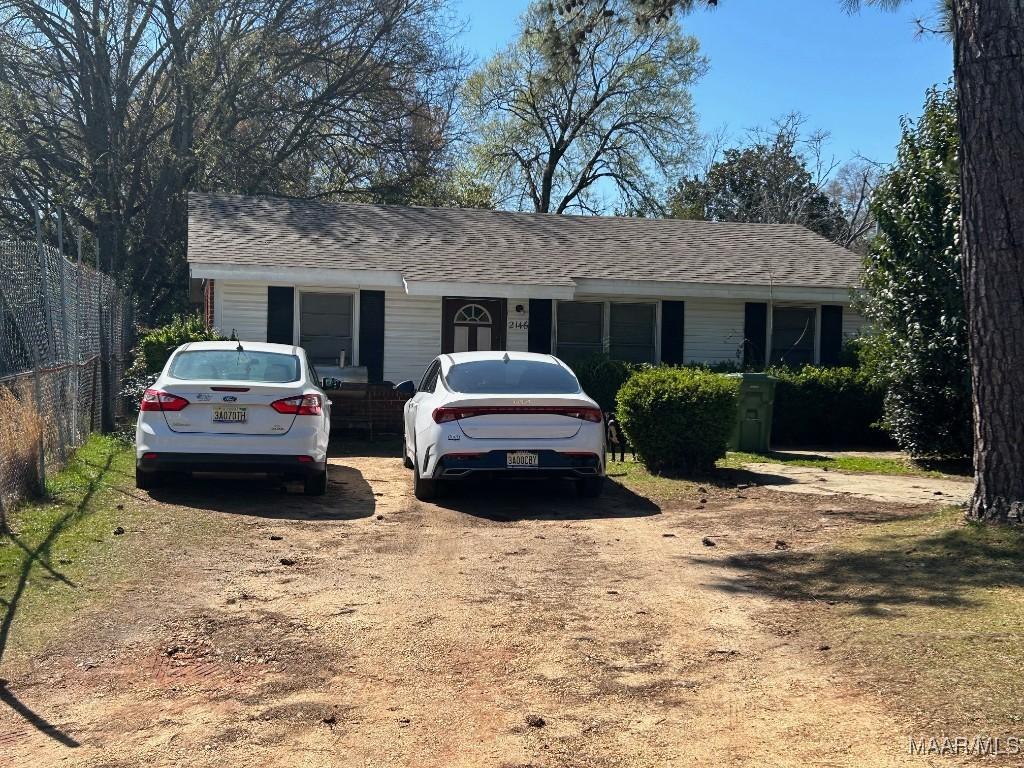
(852, 75)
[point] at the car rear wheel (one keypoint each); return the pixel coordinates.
(316, 484)
(589, 487)
(425, 488)
(405, 455)
(144, 480)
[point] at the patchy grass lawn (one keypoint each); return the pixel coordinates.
(635, 476)
(874, 465)
(928, 610)
(925, 609)
(62, 552)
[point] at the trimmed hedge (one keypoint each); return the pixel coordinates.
(601, 378)
(827, 406)
(678, 420)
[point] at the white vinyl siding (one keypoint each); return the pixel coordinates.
(518, 338)
(412, 335)
(853, 324)
(241, 308)
(713, 330)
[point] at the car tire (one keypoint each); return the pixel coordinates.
(405, 455)
(316, 484)
(425, 488)
(589, 487)
(144, 480)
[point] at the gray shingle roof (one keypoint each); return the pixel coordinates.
(468, 245)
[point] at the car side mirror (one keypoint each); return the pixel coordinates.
(406, 388)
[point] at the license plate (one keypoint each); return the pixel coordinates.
(234, 415)
(522, 459)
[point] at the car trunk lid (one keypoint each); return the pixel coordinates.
(540, 418)
(235, 409)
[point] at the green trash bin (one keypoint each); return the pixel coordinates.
(753, 430)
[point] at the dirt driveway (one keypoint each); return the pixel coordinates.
(507, 626)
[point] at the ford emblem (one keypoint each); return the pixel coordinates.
(229, 398)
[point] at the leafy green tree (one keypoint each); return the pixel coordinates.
(772, 180)
(555, 132)
(455, 187)
(915, 290)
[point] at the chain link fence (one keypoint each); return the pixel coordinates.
(65, 332)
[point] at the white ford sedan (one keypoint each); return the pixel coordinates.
(229, 406)
(501, 413)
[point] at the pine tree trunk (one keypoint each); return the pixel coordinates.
(989, 66)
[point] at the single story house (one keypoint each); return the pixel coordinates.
(390, 287)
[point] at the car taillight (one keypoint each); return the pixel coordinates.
(300, 405)
(444, 415)
(453, 413)
(155, 400)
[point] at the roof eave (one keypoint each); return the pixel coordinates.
(498, 290)
(685, 289)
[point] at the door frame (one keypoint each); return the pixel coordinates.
(498, 309)
(297, 314)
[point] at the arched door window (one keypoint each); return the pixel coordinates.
(472, 325)
(473, 314)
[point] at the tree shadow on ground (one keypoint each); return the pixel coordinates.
(736, 478)
(548, 499)
(786, 457)
(928, 569)
(348, 497)
(39, 557)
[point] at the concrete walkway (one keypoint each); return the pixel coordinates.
(899, 489)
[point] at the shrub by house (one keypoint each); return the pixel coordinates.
(827, 406)
(601, 378)
(678, 420)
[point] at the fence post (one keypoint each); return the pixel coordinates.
(105, 417)
(36, 373)
(63, 288)
(75, 362)
(41, 471)
(44, 279)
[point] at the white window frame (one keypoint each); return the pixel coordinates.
(297, 314)
(606, 320)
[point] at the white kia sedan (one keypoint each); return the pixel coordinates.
(513, 414)
(229, 406)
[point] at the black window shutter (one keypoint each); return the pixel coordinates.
(540, 326)
(672, 326)
(280, 314)
(371, 334)
(831, 334)
(755, 329)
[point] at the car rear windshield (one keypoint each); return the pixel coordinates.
(511, 377)
(235, 365)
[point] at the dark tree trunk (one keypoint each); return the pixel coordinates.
(989, 65)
